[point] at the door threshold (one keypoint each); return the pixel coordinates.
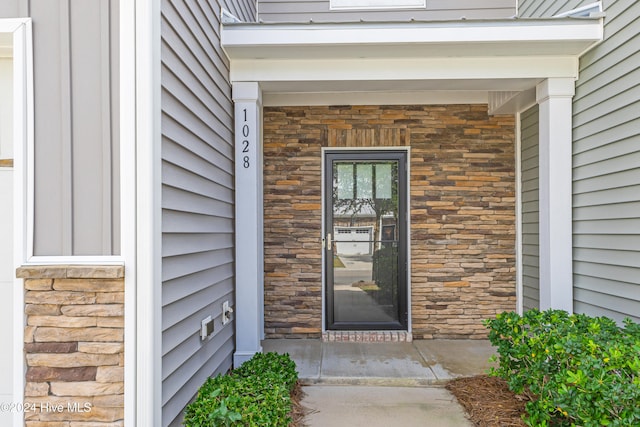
(367, 336)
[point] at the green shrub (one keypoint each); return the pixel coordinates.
(258, 393)
(579, 370)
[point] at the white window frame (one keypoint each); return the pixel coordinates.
(376, 4)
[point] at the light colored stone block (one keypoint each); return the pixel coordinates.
(70, 360)
(101, 348)
(89, 285)
(116, 400)
(111, 322)
(59, 297)
(110, 298)
(38, 284)
(36, 389)
(29, 332)
(95, 272)
(86, 388)
(110, 374)
(102, 310)
(96, 424)
(49, 334)
(62, 321)
(47, 424)
(42, 309)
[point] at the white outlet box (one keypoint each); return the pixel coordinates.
(226, 312)
(206, 327)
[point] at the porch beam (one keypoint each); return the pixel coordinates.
(249, 306)
(554, 97)
(453, 70)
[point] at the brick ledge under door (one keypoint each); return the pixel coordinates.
(367, 336)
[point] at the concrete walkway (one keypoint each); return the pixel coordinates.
(383, 384)
(380, 406)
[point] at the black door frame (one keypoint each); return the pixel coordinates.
(329, 156)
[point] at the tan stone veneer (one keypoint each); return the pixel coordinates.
(74, 345)
(462, 205)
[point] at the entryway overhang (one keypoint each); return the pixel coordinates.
(508, 64)
(460, 60)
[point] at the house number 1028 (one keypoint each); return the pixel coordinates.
(245, 142)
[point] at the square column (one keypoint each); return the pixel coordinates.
(554, 97)
(249, 242)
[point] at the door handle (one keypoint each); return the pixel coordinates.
(328, 240)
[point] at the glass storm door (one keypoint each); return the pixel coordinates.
(365, 240)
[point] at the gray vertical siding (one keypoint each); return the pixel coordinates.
(530, 217)
(10, 8)
(606, 169)
(319, 11)
(76, 124)
(547, 8)
(197, 198)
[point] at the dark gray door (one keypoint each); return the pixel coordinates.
(365, 240)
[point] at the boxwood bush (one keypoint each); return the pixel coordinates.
(579, 370)
(258, 393)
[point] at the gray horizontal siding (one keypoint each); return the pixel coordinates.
(197, 198)
(319, 11)
(76, 91)
(245, 10)
(606, 164)
(530, 218)
(547, 8)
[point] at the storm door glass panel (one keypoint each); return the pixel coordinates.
(364, 279)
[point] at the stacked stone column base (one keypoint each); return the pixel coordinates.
(74, 345)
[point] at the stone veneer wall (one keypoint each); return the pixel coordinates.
(74, 345)
(462, 211)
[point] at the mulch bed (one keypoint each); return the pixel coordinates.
(298, 412)
(488, 401)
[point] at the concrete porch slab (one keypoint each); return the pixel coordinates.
(375, 363)
(418, 363)
(456, 358)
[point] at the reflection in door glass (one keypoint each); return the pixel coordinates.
(365, 230)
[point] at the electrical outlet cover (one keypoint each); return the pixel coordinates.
(206, 327)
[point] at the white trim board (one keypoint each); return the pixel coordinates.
(518, 154)
(376, 4)
(472, 73)
(127, 49)
(20, 32)
(537, 37)
(278, 99)
(146, 139)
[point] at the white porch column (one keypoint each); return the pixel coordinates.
(249, 306)
(554, 97)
